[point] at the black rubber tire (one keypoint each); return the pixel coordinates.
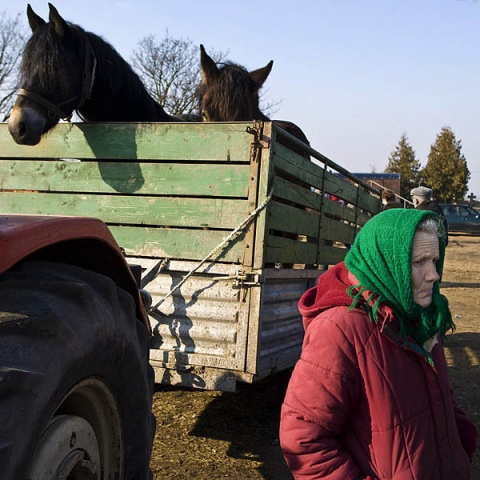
(61, 325)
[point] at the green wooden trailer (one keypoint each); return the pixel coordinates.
(229, 222)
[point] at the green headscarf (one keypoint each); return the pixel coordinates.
(381, 259)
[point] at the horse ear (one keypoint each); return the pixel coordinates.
(260, 75)
(58, 23)
(34, 20)
(208, 67)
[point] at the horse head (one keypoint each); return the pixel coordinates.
(57, 72)
(230, 92)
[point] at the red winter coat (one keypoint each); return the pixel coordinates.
(361, 404)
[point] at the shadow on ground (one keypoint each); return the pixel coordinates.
(249, 419)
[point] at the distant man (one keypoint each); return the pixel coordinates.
(422, 200)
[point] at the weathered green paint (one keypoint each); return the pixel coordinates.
(201, 213)
(322, 180)
(222, 180)
(287, 218)
(176, 243)
(287, 250)
(178, 189)
(136, 141)
(298, 166)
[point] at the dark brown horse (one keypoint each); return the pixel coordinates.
(230, 93)
(66, 69)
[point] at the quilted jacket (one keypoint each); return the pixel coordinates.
(362, 403)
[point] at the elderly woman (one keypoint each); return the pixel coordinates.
(370, 396)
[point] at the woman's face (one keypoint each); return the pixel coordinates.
(425, 256)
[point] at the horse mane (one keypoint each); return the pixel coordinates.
(234, 97)
(121, 78)
(229, 92)
(40, 68)
(113, 76)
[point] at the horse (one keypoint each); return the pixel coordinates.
(65, 69)
(230, 93)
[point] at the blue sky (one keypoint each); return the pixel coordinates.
(354, 75)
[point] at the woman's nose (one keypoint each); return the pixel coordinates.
(433, 275)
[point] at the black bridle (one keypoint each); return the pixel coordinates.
(88, 78)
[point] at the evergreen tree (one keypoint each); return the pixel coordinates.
(446, 171)
(402, 160)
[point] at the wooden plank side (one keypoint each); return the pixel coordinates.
(293, 220)
(369, 202)
(304, 170)
(301, 196)
(296, 194)
(312, 175)
(285, 250)
(363, 217)
(346, 191)
(177, 243)
(260, 190)
(333, 254)
(340, 211)
(136, 141)
(131, 210)
(335, 230)
(159, 178)
(290, 251)
(318, 178)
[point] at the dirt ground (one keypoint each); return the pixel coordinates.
(213, 435)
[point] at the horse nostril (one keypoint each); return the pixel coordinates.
(22, 129)
(22, 132)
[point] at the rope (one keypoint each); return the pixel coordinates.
(218, 247)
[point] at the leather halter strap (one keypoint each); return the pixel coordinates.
(88, 79)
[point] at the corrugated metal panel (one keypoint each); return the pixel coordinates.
(205, 319)
(281, 329)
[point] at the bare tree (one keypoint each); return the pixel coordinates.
(12, 39)
(170, 69)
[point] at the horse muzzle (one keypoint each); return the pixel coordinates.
(26, 126)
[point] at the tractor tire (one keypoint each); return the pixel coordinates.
(75, 383)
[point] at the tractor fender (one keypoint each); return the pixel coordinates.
(82, 241)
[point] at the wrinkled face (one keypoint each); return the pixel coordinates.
(425, 255)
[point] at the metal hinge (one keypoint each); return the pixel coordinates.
(260, 141)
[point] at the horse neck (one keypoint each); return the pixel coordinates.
(117, 92)
(258, 115)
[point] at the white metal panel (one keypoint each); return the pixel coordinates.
(204, 322)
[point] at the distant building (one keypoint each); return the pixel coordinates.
(385, 180)
(380, 180)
